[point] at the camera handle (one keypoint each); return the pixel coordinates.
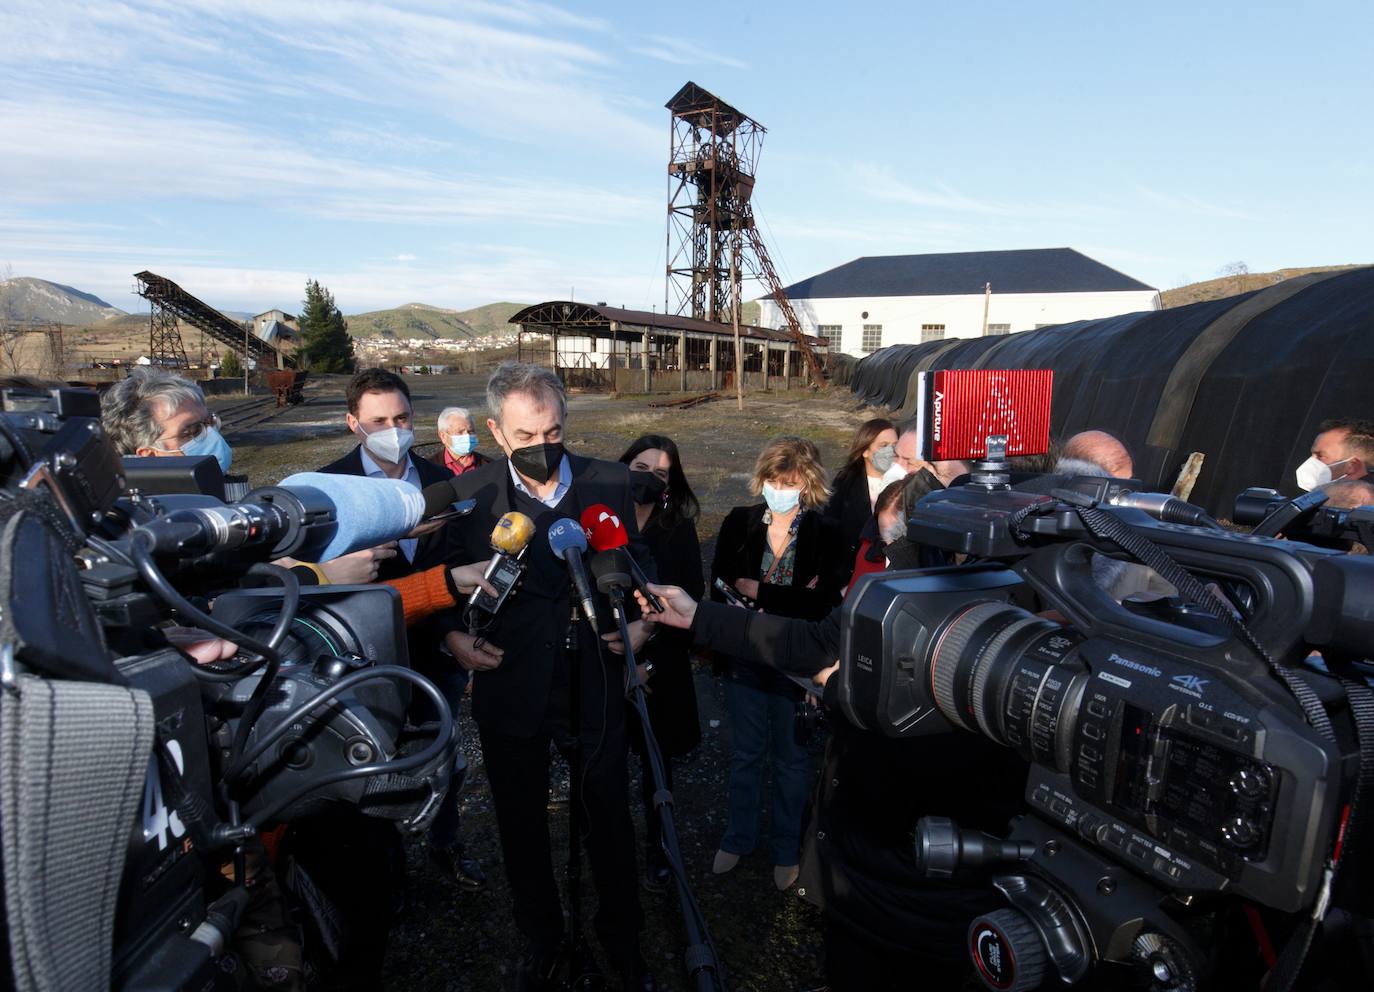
(942, 848)
(701, 960)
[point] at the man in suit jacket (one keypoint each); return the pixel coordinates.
(379, 413)
(358, 861)
(522, 676)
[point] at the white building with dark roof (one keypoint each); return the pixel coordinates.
(882, 300)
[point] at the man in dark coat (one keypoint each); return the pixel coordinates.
(522, 676)
(358, 862)
(458, 442)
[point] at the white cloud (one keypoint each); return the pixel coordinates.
(514, 71)
(881, 184)
(62, 152)
(403, 258)
(679, 51)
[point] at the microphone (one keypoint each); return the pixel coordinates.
(509, 539)
(440, 503)
(568, 542)
(611, 568)
(605, 532)
(310, 515)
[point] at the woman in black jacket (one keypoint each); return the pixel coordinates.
(860, 480)
(791, 561)
(666, 510)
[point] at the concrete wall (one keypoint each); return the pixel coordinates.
(901, 317)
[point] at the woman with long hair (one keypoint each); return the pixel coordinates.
(666, 510)
(789, 560)
(860, 480)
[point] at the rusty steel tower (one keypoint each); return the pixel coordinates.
(713, 154)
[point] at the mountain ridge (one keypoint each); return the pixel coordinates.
(31, 299)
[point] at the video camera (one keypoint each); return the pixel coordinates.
(1185, 759)
(1304, 518)
(194, 759)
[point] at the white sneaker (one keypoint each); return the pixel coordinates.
(785, 876)
(725, 861)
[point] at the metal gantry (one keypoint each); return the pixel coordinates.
(713, 154)
(171, 303)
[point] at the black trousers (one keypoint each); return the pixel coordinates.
(518, 772)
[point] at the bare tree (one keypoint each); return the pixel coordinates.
(11, 323)
(1234, 269)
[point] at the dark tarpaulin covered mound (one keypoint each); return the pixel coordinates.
(1245, 380)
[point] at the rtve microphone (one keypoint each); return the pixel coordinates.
(313, 516)
(509, 539)
(606, 532)
(568, 542)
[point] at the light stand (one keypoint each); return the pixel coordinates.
(613, 576)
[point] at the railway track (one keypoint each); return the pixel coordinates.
(247, 414)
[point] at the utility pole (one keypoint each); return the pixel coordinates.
(734, 318)
(987, 299)
(246, 325)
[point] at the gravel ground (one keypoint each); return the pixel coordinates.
(451, 940)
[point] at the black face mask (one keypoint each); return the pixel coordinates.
(928, 482)
(904, 554)
(538, 461)
(646, 488)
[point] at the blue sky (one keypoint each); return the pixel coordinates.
(456, 153)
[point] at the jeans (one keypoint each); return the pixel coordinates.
(762, 711)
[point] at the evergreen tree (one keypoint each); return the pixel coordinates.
(325, 343)
(229, 364)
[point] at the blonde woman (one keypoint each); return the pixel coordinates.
(790, 560)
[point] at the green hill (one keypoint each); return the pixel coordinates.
(413, 320)
(494, 318)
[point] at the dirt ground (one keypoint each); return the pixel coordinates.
(450, 940)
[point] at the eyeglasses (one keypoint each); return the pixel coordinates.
(191, 432)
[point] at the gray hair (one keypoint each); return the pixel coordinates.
(129, 410)
(454, 411)
(1080, 466)
(522, 377)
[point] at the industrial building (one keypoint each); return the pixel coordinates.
(882, 300)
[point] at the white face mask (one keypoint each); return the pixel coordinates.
(894, 473)
(390, 444)
(1315, 473)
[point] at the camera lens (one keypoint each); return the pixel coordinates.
(1000, 670)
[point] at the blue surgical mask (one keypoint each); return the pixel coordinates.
(462, 444)
(781, 500)
(210, 442)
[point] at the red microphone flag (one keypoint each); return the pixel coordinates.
(603, 528)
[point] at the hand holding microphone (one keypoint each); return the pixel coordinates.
(509, 539)
(679, 608)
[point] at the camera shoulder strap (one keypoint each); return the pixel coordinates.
(73, 767)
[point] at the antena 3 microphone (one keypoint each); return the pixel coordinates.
(606, 532)
(568, 542)
(509, 539)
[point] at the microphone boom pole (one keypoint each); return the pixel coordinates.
(614, 574)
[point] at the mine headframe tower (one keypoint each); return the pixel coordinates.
(713, 154)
